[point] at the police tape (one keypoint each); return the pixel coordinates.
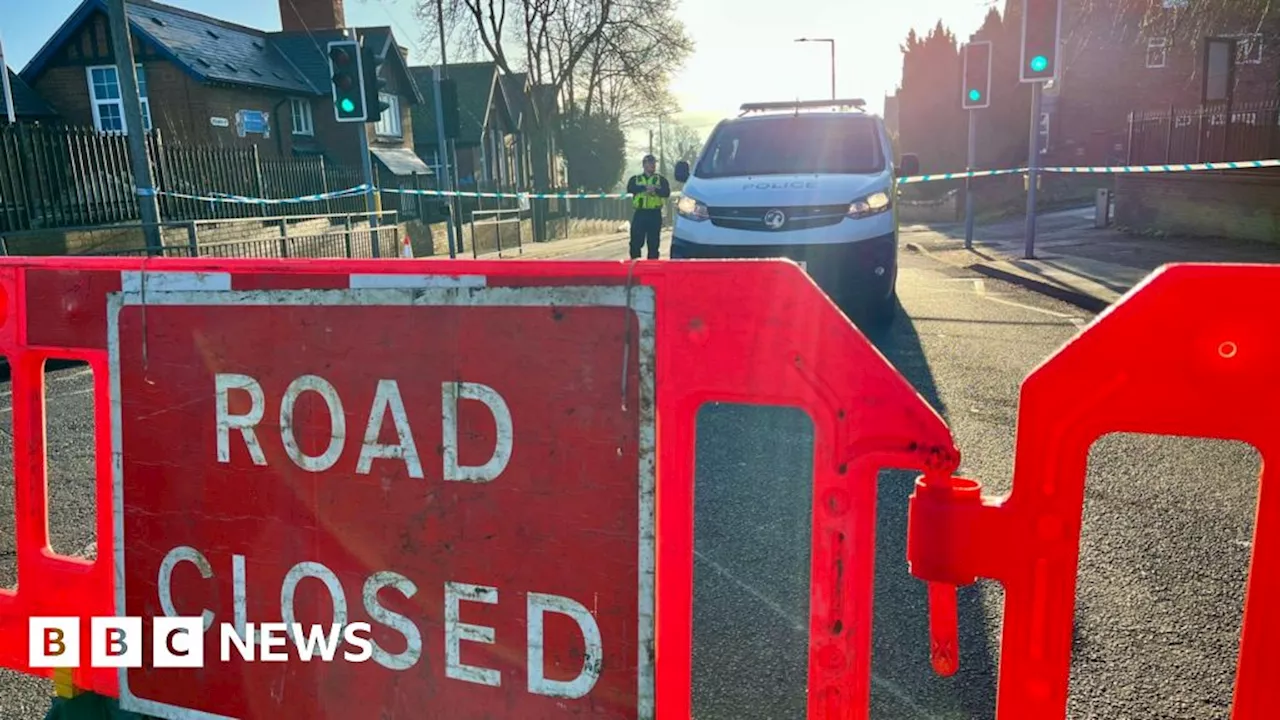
(1099, 170)
(362, 189)
(247, 200)
(912, 179)
(1172, 168)
(531, 196)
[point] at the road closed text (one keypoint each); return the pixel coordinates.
(388, 405)
(527, 630)
(242, 638)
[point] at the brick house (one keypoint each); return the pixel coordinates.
(28, 106)
(496, 145)
(205, 81)
(1147, 59)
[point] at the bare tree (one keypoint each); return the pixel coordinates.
(609, 56)
(680, 142)
(1178, 20)
(629, 69)
(545, 38)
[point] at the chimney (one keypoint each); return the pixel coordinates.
(303, 15)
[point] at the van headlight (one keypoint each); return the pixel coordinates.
(873, 204)
(691, 209)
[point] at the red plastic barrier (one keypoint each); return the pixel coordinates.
(1192, 352)
(753, 332)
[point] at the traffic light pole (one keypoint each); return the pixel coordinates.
(968, 182)
(449, 152)
(1033, 170)
(366, 167)
(443, 154)
(370, 198)
(126, 75)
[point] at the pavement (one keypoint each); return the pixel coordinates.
(607, 245)
(1165, 548)
(1075, 262)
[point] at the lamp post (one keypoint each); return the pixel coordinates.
(832, 42)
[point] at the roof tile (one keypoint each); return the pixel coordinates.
(204, 43)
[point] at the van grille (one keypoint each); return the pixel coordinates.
(798, 218)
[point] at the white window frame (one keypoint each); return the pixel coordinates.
(1251, 42)
(389, 124)
(95, 103)
(1162, 45)
(300, 117)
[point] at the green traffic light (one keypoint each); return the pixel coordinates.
(974, 96)
(1039, 63)
(347, 105)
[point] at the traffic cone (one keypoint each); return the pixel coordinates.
(406, 250)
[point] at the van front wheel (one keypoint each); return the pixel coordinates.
(880, 313)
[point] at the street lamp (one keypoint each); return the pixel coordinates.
(832, 42)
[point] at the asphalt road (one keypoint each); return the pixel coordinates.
(1165, 549)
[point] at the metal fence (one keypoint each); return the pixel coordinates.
(357, 243)
(55, 177)
(1250, 131)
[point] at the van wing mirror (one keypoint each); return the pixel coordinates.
(682, 171)
(909, 165)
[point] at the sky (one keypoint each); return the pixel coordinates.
(745, 49)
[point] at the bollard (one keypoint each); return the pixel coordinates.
(1102, 208)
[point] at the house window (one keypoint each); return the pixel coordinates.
(104, 97)
(1157, 52)
(301, 113)
(1249, 49)
(389, 124)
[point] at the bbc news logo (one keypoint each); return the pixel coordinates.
(178, 642)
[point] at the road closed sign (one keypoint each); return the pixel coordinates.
(413, 497)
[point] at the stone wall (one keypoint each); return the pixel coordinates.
(1237, 205)
(239, 238)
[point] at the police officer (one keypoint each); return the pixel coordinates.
(649, 192)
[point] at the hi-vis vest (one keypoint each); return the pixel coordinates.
(645, 201)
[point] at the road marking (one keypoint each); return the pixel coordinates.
(884, 684)
(777, 609)
(1033, 308)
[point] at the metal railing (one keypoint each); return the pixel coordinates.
(62, 177)
(345, 235)
(1249, 131)
(496, 219)
(353, 244)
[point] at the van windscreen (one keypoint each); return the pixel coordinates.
(793, 145)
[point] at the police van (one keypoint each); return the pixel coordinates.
(812, 181)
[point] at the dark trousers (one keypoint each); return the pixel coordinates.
(646, 229)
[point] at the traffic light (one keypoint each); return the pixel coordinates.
(977, 76)
(373, 85)
(1041, 20)
(348, 83)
